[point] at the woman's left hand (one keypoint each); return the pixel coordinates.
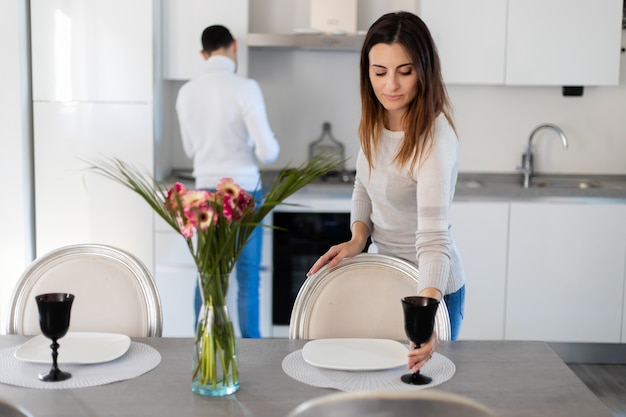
(419, 356)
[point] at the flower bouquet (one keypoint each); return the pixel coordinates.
(216, 226)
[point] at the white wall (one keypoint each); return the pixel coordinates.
(303, 89)
(16, 244)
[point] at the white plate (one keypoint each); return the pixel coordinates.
(355, 354)
(75, 347)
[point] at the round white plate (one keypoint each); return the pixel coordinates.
(353, 354)
(75, 347)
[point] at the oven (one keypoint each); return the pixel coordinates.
(302, 232)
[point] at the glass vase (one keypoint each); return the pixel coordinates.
(215, 369)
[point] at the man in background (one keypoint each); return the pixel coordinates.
(225, 131)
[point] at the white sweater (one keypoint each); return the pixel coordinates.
(407, 213)
(224, 125)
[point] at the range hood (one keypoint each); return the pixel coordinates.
(322, 41)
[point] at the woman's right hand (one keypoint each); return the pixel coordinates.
(418, 356)
(335, 254)
(360, 233)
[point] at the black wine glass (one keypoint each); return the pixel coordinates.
(419, 322)
(54, 321)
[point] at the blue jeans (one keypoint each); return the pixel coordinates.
(455, 303)
(248, 282)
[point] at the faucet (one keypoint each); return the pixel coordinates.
(527, 158)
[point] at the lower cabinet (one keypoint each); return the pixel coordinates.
(566, 272)
(480, 230)
(540, 270)
(176, 277)
(177, 287)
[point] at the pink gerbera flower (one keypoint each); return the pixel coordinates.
(175, 192)
(206, 217)
(227, 186)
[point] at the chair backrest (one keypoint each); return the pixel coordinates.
(8, 409)
(114, 291)
(425, 403)
(360, 297)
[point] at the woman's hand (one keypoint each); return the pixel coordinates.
(360, 233)
(335, 254)
(418, 357)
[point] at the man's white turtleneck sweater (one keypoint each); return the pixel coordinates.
(224, 125)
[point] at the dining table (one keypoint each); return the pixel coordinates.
(511, 378)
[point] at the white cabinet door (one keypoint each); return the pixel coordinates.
(566, 272)
(527, 42)
(480, 230)
(470, 37)
(177, 288)
(563, 42)
(96, 50)
(15, 164)
(74, 206)
(176, 276)
(183, 23)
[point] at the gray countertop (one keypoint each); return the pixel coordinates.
(485, 186)
(514, 379)
(509, 187)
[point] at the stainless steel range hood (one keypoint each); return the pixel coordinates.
(319, 41)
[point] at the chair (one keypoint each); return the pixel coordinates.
(360, 297)
(426, 403)
(114, 291)
(8, 409)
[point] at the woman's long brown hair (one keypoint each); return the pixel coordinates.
(410, 32)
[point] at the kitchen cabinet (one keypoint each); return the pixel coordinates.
(566, 270)
(480, 230)
(527, 42)
(183, 23)
(92, 51)
(92, 96)
(176, 276)
(75, 206)
(16, 239)
(470, 37)
(563, 42)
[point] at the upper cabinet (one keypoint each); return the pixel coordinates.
(470, 37)
(83, 50)
(527, 42)
(563, 42)
(183, 23)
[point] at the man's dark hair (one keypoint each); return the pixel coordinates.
(216, 37)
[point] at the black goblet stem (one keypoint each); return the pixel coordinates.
(55, 354)
(55, 374)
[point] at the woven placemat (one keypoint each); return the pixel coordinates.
(439, 368)
(139, 359)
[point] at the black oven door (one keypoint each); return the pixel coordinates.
(301, 239)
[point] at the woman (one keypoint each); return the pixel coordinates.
(407, 165)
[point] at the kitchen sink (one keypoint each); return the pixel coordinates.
(562, 182)
(515, 181)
